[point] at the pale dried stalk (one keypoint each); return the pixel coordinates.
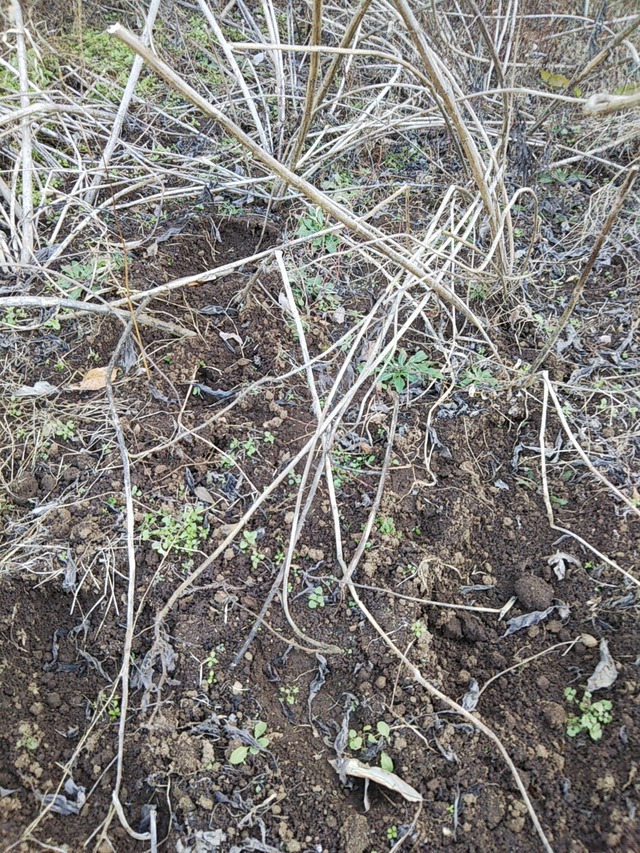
(123, 675)
(579, 287)
(312, 80)
(586, 71)
(547, 497)
(278, 65)
(123, 109)
(319, 198)
(26, 149)
(44, 302)
(603, 104)
(449, 108)
(345, 43)
(226, 49)
(570, 435)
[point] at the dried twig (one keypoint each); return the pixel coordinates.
(579, 286)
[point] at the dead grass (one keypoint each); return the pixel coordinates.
(472, 254)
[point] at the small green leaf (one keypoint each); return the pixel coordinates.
(355, 743)
(260, 729)
(383, 729)
(239, 755)
(385, 762)
(556, 81)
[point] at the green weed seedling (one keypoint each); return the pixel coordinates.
(78, 278)
(211, 662)
(12, 316)
(249, 545)
(404, 369)
(166, 532)
(113, 710)
(65, 430)
(289, 694)
(316, 598)
(593, 715)
(367, 737)
(348, 465)
(240, 753)
(313, 222)
(27, 741)
(387, 526)
(478, 376)
(418, 629)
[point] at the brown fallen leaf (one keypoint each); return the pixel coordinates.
(95, 379)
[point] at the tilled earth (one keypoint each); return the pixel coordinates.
(470, 530)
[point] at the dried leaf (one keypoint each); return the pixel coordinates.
(284, 304)
(353, 767)
(556, 81)
(316, 686)
(230, 336)
(471, 697)
(605, 672)
(339, 315)
(96, 379)
(203, 495)
(62, 805)
(527, 620)
(38, 389)
(560, 561)
(6, 792)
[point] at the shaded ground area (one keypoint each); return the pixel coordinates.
(462, 522)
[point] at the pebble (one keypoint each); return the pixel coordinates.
(533, 593)
(53, 700)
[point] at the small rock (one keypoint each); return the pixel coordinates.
(494, 808)
(533, 592)
(48, 483)
(453, 629)
(24, 489)
(472, 628)
(53, 700)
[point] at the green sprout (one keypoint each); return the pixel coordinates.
(66, 430)
(166, 532)
(418, 629)
(289, 694)
(387, 526)
(249, 544)
(211, 662)
(365, 738)
(593, 715)
(240, 753)
(313, 222)
(316, 598)
(403, 370)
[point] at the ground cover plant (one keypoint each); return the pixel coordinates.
(321, 495)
